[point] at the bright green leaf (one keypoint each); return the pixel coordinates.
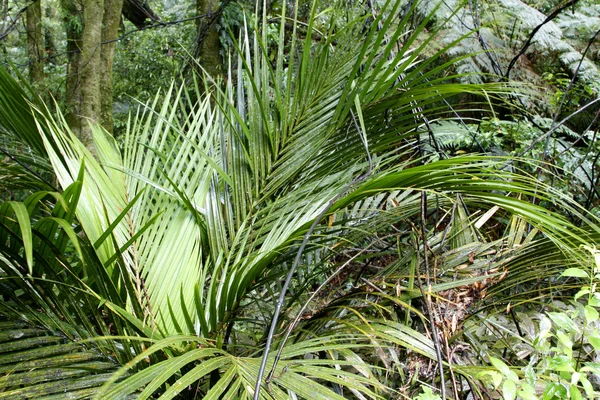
(591, 314)
(509, 390)
(575, 273)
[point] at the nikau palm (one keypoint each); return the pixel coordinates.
(161, 258)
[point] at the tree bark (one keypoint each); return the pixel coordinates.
(90, 67)
(112, 17)
(208, 44)
(91, 54)
(74, 28)
(35, 44)
(51, 13)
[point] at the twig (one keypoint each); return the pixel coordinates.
(535, 30)
(585, 131)
(157, 25)
(372, 286)
(450, 369)
(575, 75)
(561, 123)
(517, 325)
(486, 49)
(568, 90)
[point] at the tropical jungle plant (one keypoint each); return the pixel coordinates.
(561, 346)
(156, 270)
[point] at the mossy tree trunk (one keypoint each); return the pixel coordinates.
(35, 43)
(73, 20)
(208, 45)
(89, 84)
(110, 30)
(91, 67)
(50, 49)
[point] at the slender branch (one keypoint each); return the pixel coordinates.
(584, 132)
(567, 93)
(560, 106)
(575, 75)
(535, 30)
(449, 358)
(124, 35)
(486, 49)
(594, 183)
(157, 25)
(561, 123)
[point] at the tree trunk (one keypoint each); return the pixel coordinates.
(208, 44)
(89, 83)
(112, 17)
(74, 28)
(51, 13)
(35, 44)
(90, 67)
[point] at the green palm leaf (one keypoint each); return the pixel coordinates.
(179, 242)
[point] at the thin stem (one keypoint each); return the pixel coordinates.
(310, 299)
(561, 123)
(292, 270)
(427, 297)
(529, 40)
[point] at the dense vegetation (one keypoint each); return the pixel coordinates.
(343, 200)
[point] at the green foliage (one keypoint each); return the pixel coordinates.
(49, 307)
(578, 93)
(561, 349)
(230, 25)
(55, 365)
(24, 162)
(567, 153)
(427, 395)
(164, 256)
(74, 24)
(145, 60)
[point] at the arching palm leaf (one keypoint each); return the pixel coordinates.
(193, 224)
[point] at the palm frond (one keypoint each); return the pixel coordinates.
(35, 361)
(176, 245)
